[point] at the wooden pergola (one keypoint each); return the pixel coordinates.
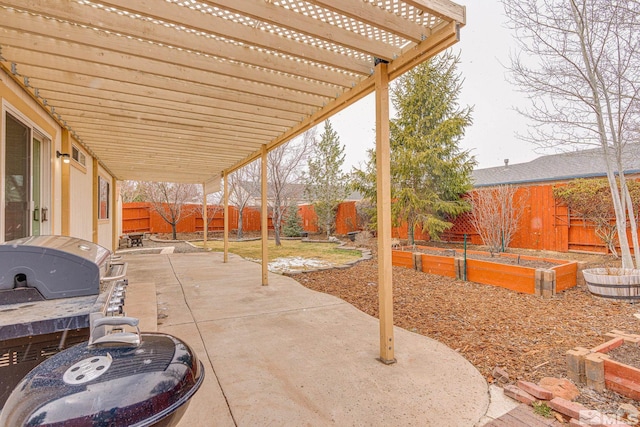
(192, 90)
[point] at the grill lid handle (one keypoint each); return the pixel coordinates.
(118, 270)
(99, 334)
(116, 321)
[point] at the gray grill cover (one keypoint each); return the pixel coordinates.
(57, 266)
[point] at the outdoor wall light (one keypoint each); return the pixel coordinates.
(65, 156)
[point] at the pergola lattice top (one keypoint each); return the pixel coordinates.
(180, 90)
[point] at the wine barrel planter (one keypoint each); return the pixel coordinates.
(614, 283)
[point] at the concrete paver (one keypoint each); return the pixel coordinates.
(286, 355)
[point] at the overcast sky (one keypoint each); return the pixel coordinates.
(484, 46)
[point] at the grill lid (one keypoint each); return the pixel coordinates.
(82, 248)
(110, 384)
(57, 266)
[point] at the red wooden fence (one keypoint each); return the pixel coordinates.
(544, 225)
(143, 217)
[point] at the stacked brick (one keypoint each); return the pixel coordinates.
(594, 367)
(577, 414)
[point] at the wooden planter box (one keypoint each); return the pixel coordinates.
(519, 278)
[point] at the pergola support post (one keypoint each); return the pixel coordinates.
(264, 219)
(383, 169)
(225, 178)
(205, 219)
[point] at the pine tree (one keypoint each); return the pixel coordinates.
(326, 183)
(293, 223)
(429, 171)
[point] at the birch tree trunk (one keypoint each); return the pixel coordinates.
(581, 68)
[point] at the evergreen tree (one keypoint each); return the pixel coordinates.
(429, 171)
(326, 183)
(293, 223)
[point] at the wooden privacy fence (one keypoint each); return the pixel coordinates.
(544, 225)
(142, 217)
(346, 218)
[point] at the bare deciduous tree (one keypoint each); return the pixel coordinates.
(580, 64)
(214, 205)
(284, 171)
(131, 191)
(243, 185)
(168, 200)
(495, 214)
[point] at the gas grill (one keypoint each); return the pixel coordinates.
(49, 286)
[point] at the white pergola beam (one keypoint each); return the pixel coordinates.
(97, 62)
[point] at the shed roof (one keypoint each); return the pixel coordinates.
(181, 90)
(556, 167)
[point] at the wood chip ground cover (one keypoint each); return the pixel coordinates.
(526, 335)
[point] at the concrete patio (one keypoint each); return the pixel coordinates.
(286, 355)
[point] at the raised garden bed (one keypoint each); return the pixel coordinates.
(521, 273)
(612, 365)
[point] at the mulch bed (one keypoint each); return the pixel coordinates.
(526, 335)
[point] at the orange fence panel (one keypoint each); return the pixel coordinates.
(136, 218)
(346, 218)
(309, 218)
(143, 217)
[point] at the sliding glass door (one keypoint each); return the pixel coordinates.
(26, 180)
(17, 181)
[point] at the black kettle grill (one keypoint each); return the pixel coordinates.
(117, 378)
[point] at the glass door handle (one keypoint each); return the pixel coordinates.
(36, 214)
(45, 212)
